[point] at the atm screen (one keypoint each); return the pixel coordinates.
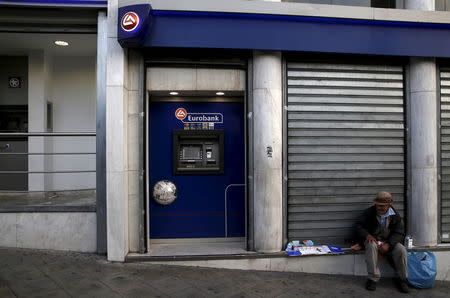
(191, 152)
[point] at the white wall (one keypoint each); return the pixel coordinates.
(70, 84)
(73, 93)
(38, 66)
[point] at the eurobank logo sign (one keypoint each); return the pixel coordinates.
(133, 24)
(203, 117)
(185, 117)
(130, 21)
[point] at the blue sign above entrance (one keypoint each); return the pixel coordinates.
(195, 29)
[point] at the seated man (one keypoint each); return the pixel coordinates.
(381, 230)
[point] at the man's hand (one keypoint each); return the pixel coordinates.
(370, 239)
(384, 248)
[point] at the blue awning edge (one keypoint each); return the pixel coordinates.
(220, 30)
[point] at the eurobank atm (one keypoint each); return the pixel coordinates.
(198, 149)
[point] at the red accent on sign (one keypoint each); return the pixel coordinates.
(130, 21)
(180, 113)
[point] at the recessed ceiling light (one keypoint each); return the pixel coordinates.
(173, 93)
(220, 93)
(61, 43)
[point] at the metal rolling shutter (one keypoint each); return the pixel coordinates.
(345, 143)
(445, 154)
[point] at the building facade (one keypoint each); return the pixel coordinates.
(225, 127)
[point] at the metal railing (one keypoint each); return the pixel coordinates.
(6, 147)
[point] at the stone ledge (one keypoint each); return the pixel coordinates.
(50, 208)
(132, 257)
(49, 201)
(135, 257)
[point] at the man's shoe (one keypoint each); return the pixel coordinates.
(371, 285)
(402, 286)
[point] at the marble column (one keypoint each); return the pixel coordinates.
(420, 4)
(267, 148)
(135, 150)
(116, 142)
(423, 125)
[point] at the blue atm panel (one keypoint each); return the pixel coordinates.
(208, 204)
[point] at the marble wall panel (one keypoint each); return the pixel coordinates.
(61, 231)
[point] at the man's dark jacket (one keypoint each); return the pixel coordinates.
(368, 223)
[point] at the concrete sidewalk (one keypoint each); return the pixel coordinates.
(34, 273)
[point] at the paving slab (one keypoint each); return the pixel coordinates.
(43, 273)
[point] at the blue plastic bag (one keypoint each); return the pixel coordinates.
(421, 269)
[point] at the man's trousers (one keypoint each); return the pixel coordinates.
(398, 255)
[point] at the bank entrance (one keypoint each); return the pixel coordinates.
(196, 155)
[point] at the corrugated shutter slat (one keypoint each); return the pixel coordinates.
(345, 143)
(445, 154)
